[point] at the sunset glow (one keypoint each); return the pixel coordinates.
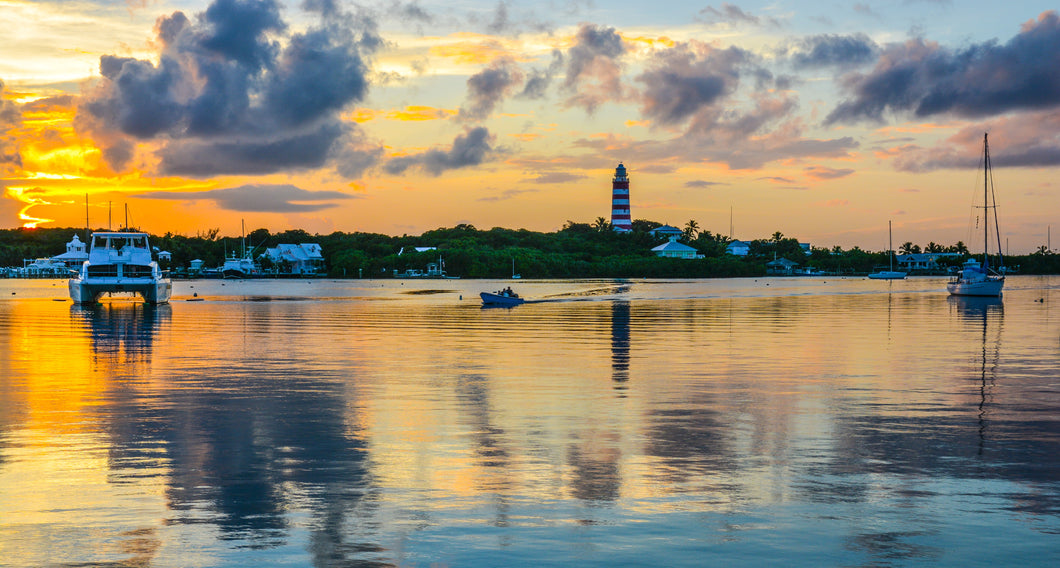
(821, 122)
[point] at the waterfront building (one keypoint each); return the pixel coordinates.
(674, 249)
(304, 258)
(666, 231)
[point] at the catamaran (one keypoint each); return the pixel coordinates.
(120, 262)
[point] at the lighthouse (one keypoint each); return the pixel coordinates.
(620, 218)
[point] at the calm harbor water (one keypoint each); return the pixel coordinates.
(787, 422)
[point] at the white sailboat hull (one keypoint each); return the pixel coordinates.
(987, 287)
(887, 275)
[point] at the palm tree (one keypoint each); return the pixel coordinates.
(691, 229)
(777, 237)
(602, 224)
(909, 248)
(933, 247)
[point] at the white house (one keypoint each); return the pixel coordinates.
(923, 261)
(674, 249)
(305, 258)
(738, 248)
(76, 253)
(666, 231)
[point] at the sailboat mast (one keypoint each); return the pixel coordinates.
(890, 247)
(986, 200)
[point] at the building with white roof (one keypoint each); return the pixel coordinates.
(305, 258)
(674, 249)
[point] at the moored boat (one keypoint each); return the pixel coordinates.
(890, 273)
(978, 278)
(120, 262)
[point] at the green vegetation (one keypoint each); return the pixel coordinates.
(578, 250)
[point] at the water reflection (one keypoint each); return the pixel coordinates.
(620, 342)
(988, 313)
(123, 333)
(866, 427)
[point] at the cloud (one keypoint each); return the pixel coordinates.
(10, 118)
(507, 194)
(487, 88)
(228, 92)
(834, 50)
(688, 77)
(981, 80)
(703, 184)
(732, 15)
(594, 70)
(1024, 140)
(558, 177)
(823, 173)
(469, 149)
(539, 80)
(260, 198)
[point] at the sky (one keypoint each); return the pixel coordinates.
(822, 120)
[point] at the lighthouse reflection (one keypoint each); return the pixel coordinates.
(620, 343)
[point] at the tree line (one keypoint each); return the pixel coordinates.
(577, 250)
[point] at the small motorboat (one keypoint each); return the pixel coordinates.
(505, 298)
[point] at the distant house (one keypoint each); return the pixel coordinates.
(666, 231)
(305, 258)
(806, 248)
(674, 249)
(738, 248)
(76, 253)
(924, 261)
(781, 266)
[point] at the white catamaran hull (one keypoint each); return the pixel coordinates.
(152, 291)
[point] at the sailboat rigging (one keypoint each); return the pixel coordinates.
(979, 278)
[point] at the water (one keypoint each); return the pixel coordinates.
(793, 422)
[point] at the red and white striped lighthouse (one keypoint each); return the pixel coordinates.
(620, 218)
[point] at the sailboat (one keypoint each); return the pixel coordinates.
(890, 273)
(514, 275)
(242, 266)
(980, 278)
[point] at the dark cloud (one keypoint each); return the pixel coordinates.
(834, 50)
(10, 118)
(469, 149)
(688, 77)
(730, 14)
(981, 80)
(594, 71)
(487, 88)
(260, 198)
(250, 154)
(539, 80)
(1030, 140)
(229, 97)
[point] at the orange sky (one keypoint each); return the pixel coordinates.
(764, 117)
